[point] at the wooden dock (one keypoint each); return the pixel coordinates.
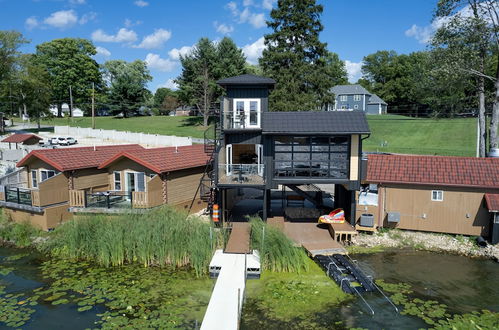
(313, 237)
(239, 240)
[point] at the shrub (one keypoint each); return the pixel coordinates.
(20, 234)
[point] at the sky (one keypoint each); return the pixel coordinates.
(158, 31)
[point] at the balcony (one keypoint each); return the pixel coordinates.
(108, 201)
(21, 199)
(241, 120)
(241, 174)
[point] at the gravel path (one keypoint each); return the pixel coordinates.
(462, 245)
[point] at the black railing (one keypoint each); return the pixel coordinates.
(18, 196)
(109, 199)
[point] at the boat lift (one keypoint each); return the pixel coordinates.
(345, 271)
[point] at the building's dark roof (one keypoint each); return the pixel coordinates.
(315, 122)
(349, 89)
(375, 99)
(246, 79)
(434, 170)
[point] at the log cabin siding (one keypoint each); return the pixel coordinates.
(50, 218)
(182, 185)
(127, 165)
(155, 192)
(90, 178)
(54, 190)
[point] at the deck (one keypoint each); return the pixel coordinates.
(239, 240)
(313, 237)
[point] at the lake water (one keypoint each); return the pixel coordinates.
(461, 283)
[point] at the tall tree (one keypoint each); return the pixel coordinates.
(69, 62)
(160, 102)
(206, 64)
(296, 58)
(470, 35)
(127, 83)
(10, 41)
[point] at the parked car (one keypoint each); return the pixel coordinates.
(72, 140)
(63, 141)
(54, 140)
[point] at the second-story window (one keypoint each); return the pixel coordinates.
(357, 97)
(246, 114)
(343, 98)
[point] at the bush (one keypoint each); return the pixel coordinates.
(20, 234)
(162, 236)
(277, 251)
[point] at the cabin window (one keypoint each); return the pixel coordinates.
(46, 174)
(437, 195)
(246, 114)
(117, 180)
(135, 181)
(34, 180)
(356, 97)
(343, 98)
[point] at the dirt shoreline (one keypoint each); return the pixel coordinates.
(461, 245)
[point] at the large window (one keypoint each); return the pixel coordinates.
(34, 179)
(46, 174)
(356, 97)
(117, 180)
(246, 114)
(324, 157)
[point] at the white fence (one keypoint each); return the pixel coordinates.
(130, 137)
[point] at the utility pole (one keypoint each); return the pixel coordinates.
(93, 105)
(70, 102)
(478, 135)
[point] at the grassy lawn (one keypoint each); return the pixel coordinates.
(165, 125)
(390, 133)
(399, 134)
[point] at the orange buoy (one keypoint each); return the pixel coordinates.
(215, 213)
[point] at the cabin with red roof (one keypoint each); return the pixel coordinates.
(21, 139)
(429, 193)
(102, 179)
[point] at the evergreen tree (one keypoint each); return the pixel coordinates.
(296, 58)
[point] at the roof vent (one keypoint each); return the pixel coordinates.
(176, 149)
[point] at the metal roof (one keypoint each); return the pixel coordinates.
(315, 122)
(375, 99)
(246, 79)
(349, 89)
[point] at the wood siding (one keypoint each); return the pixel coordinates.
(462, 210)
(354, 158)
(90, 178)
(155, 192)
(50, 218)
(182, 185)
(123, 166)
(54, 190)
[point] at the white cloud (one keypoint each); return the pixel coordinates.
(155, 40)
(155, 62)
(77, 2)
(247, 3)
(87, 17)
(268, 4)
(123, 35)
(129, 23)
(246, 15)
(62, 19)
(103, 51)
(223, 28)
(175, 52)
(353, 70)
(254, 51)
(141, 3)
(31, 22)
(169, 84)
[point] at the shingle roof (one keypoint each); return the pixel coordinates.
(315, 122)
(434, 170)
(492, 202)
(349, 89)
(246, 79)
(375, 99)
(67, 159)
(19, 138)
(166, 159)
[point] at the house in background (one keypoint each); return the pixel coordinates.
(429, 193)
(356, 97)
(103, 179)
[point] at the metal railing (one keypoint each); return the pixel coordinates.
(241, 120)
(241, 174)
(20, 196)
(109, 199)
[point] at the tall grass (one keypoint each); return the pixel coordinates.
(160, 237)
(20, 234)
(277, 251)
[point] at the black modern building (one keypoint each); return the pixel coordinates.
(262, 148)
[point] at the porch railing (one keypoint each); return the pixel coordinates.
(108, 199)
(251, 174)
(22, 196)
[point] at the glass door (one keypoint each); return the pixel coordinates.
(247, 113)
(259, 154)
(228, 157)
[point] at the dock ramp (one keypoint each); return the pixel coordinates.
(226, 302)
